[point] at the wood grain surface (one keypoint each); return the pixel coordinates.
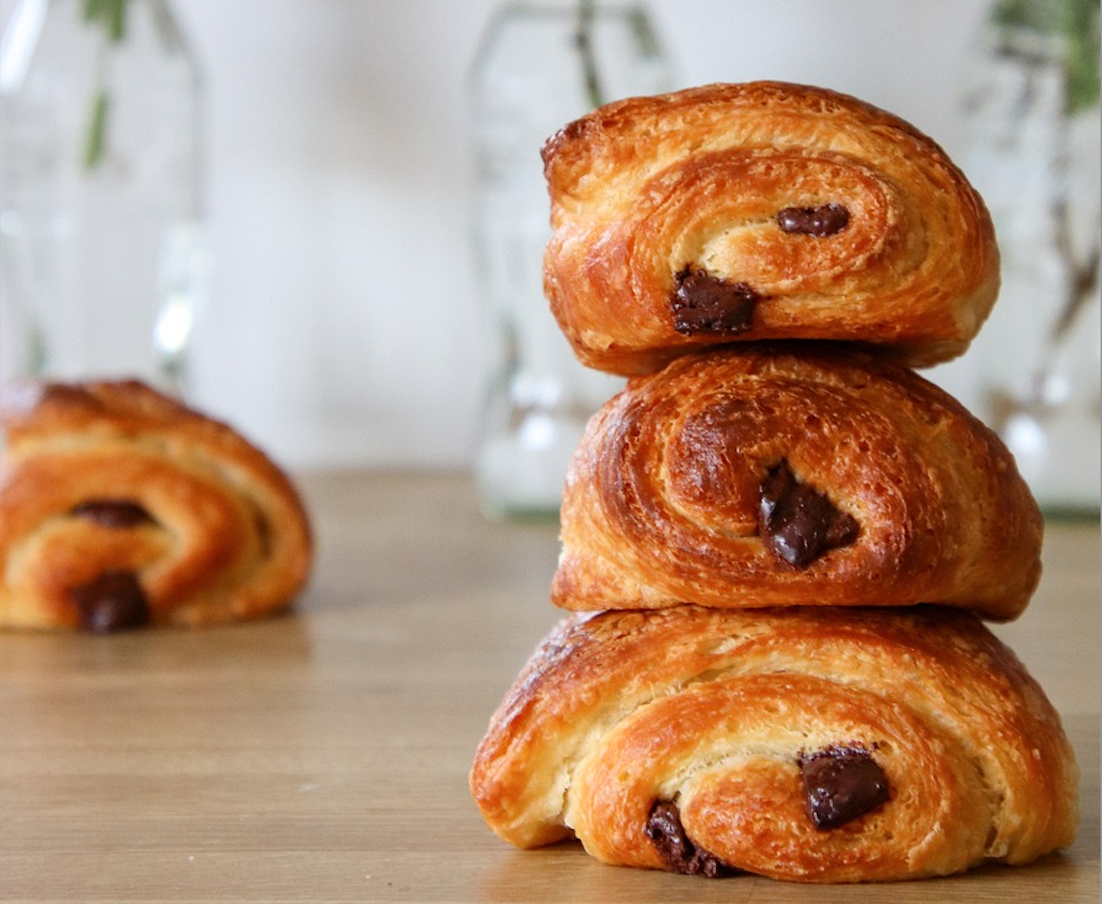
(323, 756)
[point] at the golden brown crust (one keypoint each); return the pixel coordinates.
(224, 535)
(663, 497)
(645, 187)
(712, 710)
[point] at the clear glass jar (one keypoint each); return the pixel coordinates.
(101, 218)
(1034, 155)
(540, 65)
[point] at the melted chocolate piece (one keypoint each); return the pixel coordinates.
(703, 303)
(114, 601)
(841, 784)
(827, 219)
(798, 523)
(113, 512)
(679, 854)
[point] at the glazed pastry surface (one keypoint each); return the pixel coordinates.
(780, 474)
(760, 211)
(121, 507)
(689, 739)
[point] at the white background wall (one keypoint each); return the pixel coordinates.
(343, 326)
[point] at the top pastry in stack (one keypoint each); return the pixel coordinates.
(779, 539)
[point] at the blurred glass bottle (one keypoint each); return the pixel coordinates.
(540, 65)
(1033, 109)
(101, 230)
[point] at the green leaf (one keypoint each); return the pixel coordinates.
(1077, 22)
(111, 14)
(93, 9)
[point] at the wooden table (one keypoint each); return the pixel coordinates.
(323, 756)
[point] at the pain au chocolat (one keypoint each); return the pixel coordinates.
(793, 475)
(121, 507)
(811, 745)
(760, 211)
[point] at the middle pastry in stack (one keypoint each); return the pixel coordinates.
(779, 550)
(780, 475)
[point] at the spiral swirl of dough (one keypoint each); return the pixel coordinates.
(712, 710)
(662, 502)
(644, 189)
(114, 479)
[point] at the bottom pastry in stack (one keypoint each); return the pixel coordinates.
(787, 552)
(812, 745)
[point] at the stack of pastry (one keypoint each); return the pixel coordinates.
(779, 542)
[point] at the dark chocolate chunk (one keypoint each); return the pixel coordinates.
(113, 512)
(113, 601)
(679, 854)
(798, 523)
(827, 219)
(703, 303)
(841, 784)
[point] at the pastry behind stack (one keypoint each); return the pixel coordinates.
(121, 507)
(787, 539)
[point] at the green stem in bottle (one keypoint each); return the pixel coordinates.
(111, 16)
(584, 40)
(97, 129)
